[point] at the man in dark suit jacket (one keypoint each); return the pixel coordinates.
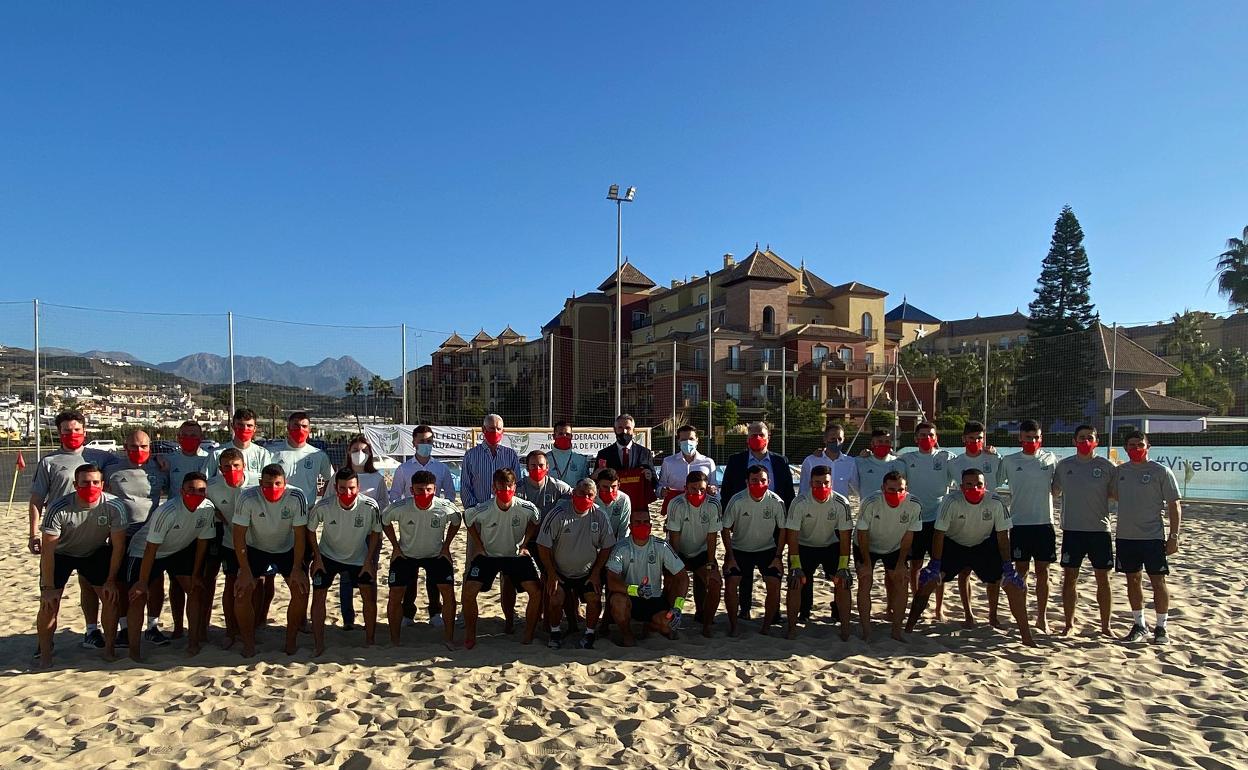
(626, 455)
(736, 473)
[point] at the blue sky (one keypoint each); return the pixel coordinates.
(445, 165)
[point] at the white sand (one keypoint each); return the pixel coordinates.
(949, 699)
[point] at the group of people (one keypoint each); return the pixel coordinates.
(569, 535)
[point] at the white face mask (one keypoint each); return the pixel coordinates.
(359, 457)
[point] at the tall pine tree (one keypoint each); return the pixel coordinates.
(1062, 304)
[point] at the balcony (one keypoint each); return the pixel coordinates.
(846, 403)
(839, 366)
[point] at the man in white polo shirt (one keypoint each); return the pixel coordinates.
(687, 459)
(844, 468)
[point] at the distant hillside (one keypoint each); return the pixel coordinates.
(326, 378)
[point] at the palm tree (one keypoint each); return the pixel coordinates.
(378, 387)
(354, 387)
(1186, 338)
(1233, 271)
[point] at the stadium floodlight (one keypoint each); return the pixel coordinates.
(613, 194)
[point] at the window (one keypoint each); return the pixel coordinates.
(769, 319)
(734, 357)
(691, 391)
(868, 329)
(818, 354)
(870, 359)
(719, 318)
(733, 391)
(699, 358)
(653, 367)
(770, 359)
(702, 299)
(847, 354)
(792, 320)
(701, 324)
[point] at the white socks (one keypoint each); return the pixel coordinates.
(1138, 615)
(1161, 620)
(153, 622)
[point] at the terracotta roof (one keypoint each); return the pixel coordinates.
(629, 277)
(907, 312)
(854, 287)
(482, 336)
(508, 333)
(989, 324)
(454, 341)
(1136, 401)
(761, 265)
(1131, 357)
(814, 285)
(826, 332)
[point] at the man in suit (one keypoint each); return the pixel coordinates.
(633, 462)
(779, 480)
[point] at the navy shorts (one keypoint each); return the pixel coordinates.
(484, 569)
(438, 570)
(175, 565)
(889, 559)
(1147, 555)
(323, 579)
(265, 564)
(1033, 542)
(645, 609)
(695, 563)
(1096, 547)
(983, 559)
(921, 544)
(748, 561)
(93, 567)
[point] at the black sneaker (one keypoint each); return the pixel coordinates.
(586, 642)
(556, 640)
(93, 640)
(1160, 636)
(122, 639)
(1138, 633)
(155, 636)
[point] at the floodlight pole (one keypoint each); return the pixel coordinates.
(613, 194)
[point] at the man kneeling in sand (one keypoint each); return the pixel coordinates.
(973, 535)
(347, 548)
(270, 537)
(647, 582)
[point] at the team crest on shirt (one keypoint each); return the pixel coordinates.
(987, 467)
(593, 527)
(1096, 473)
(986, 515)
(654, 557)
(515, 521)
(307, 464)
(200, 522)
(905, 518)
(1147, 477)
(706, 518)
(435, 522)
(937, 466)
(287, 513)
(102, 520)
(767, 514)
(359, 519)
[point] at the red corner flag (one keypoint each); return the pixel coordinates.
(21, 462)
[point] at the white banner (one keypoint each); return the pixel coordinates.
(452, 442)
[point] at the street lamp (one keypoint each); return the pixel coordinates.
(613, 194)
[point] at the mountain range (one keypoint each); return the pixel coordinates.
(326, 377)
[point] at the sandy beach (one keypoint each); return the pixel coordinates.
(950, 698)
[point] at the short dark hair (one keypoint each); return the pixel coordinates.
(191, 424)
(1085, 426)
(423, 477)
(504, 476)
(834, 426)
(757, 469)
(972, 472)
(606, 474)
(561, 424)
(820, 470)
(686, 427)
(70, 414)
(242, 414)
(230, 454)
(1028, 425)
(926, 424)
(881, 432)
(194, 476)
(1135, 434)
(87, 468)
(345, 474)
(892, 476)
(695, 476)
(419, 429)
(974, 426)
(273, 471)
(534, 453)
(295, 416)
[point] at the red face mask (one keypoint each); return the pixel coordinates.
(608, 496)
(504, 496)
(243, 435)
(189, 444)
(926, 443)
(1031, 447)
(423, 499)
(73, 441)
(139, 456)
(192, 501)
(758, 489)
(233, 476)
(538, 475)
(298, 436)
(895, 499)
(639, 530)
(974, 496)
(695, 498)
(757, 442)
(273, 494)
(881, 451)
(821, 494)
(973, 447)
(492, 437)
(1085, 446)
(90, 495)
(582, 503)
(347, 500)
(1137, 455)
(563, 442)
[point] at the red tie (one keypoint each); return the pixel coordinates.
(624, 456)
